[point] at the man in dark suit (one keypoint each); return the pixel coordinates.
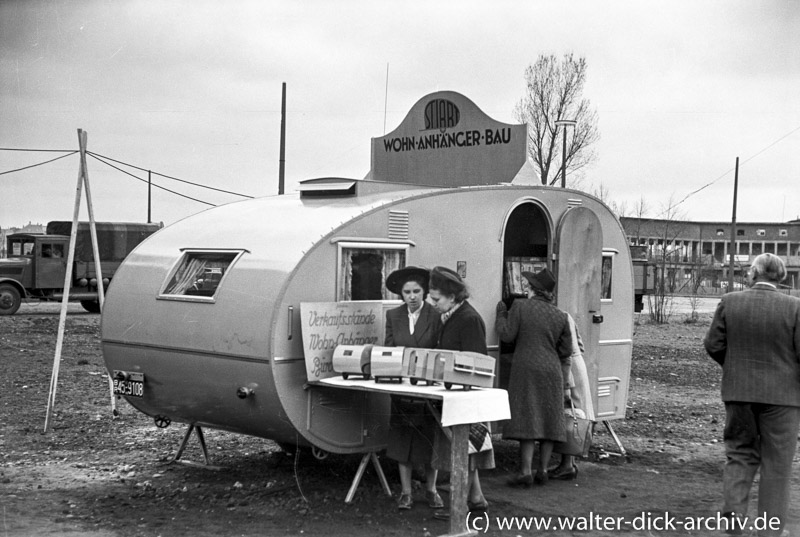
(755, 337)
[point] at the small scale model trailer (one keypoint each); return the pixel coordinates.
(349, 360)
(466, 369)
(386, 364)
(415, 362)
(449, 187)
(36, 263)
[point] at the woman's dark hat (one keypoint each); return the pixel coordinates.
(542, 280)
(443, 276)
(397, 279)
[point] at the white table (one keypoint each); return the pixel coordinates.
(460, 408)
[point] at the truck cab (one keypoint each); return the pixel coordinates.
(34, 268)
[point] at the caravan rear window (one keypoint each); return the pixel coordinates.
(607, 270)
(198, 274)
(363, 269)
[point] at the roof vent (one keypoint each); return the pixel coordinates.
(327, 187)
(398, 225)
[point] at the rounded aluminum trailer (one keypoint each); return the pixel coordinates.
(236, 362)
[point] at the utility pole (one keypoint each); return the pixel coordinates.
(732, 253)
(564, 123)
(282, 162)
(149, 195)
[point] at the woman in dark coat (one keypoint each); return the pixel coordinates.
(539, 373)
(463, 330)
(412, 426)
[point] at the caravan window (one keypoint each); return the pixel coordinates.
(607, 270)
(363, 268)
(198, 274)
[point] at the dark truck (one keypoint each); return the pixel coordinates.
(37, 262)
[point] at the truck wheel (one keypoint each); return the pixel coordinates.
(92, 306)
(10, 299)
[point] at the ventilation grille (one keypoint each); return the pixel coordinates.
(572, 202)
(398, 225)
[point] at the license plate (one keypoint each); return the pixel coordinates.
(130, 384)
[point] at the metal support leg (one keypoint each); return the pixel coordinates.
(360, 473)
(182, 447)
(381, 476)
(610, 430)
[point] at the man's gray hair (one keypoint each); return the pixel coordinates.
(769, 267)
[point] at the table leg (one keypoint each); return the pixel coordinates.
(459, 481)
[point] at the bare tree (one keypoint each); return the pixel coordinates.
(602, 193)
(554, 91)
(666, 257)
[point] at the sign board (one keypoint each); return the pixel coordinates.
(446, 140)
(328, 324)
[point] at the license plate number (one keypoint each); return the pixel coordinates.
(131, 385)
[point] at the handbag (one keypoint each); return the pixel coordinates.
(479, 438)
(579, 434)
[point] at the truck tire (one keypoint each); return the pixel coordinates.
(92, 306)
(10, 299)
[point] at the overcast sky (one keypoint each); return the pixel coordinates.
(192, 89)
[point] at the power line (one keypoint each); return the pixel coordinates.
(35, 165)
(146, 181)
(96, 155)
(101, 158)
(40, 150)
(169, 177)
(730, 170)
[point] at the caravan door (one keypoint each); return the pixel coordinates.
(579, 247)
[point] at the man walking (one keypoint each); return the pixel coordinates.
(755, 337)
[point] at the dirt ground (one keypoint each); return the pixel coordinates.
(93, 475)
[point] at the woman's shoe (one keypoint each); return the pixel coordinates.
(482, 505)
(565, 475)
(405, 502)
(520, 480)
(540, 478)
(433, 499)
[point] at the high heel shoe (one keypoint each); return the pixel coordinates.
(520, 480)
(540, 478)
(565, 475)
(482, 505)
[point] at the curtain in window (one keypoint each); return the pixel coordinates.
(364, 273)
(186, 276)
(605, 292)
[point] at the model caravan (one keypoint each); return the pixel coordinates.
(208, 312)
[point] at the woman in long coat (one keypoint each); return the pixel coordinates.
(539, 373)
(412, 426)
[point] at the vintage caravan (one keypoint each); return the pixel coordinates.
(451, 187)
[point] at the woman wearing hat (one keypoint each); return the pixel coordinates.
(539, 374)
(463, 330)
(414, 324)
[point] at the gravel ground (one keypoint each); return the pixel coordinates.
(95, 476)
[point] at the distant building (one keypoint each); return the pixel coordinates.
(699, 252)
(28, 228)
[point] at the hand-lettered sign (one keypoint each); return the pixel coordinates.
(328, 324)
